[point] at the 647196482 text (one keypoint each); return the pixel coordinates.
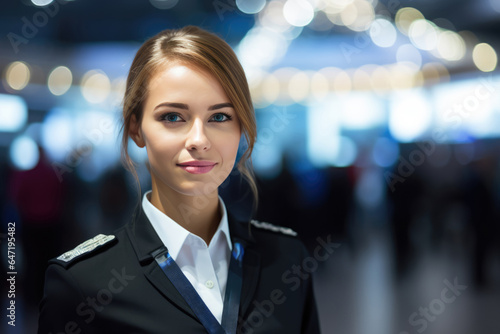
(11, 273)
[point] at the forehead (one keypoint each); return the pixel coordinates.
(184, 78)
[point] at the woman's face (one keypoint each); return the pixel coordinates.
(190, 130)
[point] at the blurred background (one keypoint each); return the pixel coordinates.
(378, 129)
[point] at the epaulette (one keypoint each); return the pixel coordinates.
(274, 228)
(84, 248)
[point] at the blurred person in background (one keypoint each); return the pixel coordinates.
(38, 198)
(183, 264)
(482, 217)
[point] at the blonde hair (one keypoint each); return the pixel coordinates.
(207, 51)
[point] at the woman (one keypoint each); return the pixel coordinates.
(183, 264)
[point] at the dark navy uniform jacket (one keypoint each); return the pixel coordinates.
(116, 286)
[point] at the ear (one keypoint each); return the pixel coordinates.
(135, 132)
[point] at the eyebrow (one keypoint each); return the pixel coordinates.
(220, 106)
(173, 105)
(186, 107)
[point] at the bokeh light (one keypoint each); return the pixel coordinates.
(298, 13)
(435, 73)
(360, 111)
(404, 75)
(284, 76)
(95, 86)
(423, 34)
(450, 46)
(270, 89)
(118, 87)
(323, 127)
(255, 80)
(24, 153)
(405, 17)
(383, 33)
(18, 75)
(164, 4)
(298, 86)
(358, 15)
(410, 116)
(60, 80)
(381, 81)
(484, 57)
(319, 5)
(361, 79)
(272, 17)
(250, 6)
(13, 113)
(349, 14)
(320, 87)
(251, 46)
(342, 83)
(41, 3)
(58, 134)
(336, 6)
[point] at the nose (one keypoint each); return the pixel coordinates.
(197, 138)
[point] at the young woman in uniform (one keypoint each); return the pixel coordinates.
(183, 263)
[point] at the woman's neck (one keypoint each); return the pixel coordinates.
(199, 215)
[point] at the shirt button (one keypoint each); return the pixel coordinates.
(209, 284)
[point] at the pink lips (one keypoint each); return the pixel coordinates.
(197, 166)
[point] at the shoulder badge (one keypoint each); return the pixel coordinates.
(274, 228)
(86, 247)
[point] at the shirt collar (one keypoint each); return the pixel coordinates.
(174, 235)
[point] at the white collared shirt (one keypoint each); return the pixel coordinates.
(206, 267)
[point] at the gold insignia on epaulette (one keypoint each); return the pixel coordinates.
(86, 247)
(274, 228)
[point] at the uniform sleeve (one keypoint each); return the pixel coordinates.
(310, 322)
(61, 302)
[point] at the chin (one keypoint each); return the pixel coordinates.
(198, 188)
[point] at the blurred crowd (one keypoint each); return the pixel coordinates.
(452, 208)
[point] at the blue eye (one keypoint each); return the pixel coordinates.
(171, 118)
(220, 117)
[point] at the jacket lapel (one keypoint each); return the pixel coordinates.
(251, 262)
(145, 241)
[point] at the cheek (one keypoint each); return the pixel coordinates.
(161, 145)
(229, 146)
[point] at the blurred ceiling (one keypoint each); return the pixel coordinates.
(94, 34)
(83, 21)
